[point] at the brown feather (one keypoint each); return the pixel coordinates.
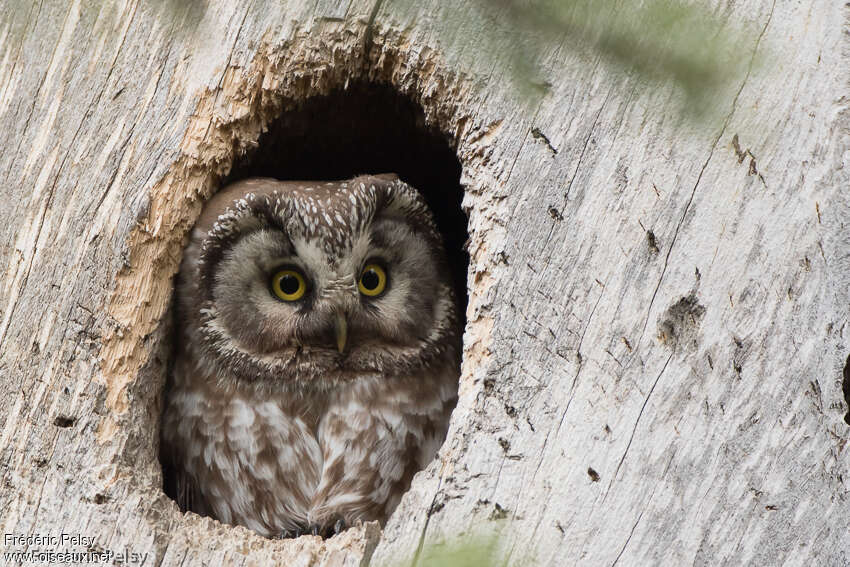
(267, 425)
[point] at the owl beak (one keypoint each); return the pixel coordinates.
(341, 328)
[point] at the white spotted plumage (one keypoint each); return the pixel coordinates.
(268, 424)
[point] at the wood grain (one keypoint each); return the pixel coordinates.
(655, 338)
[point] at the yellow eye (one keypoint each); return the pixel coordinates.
(373, 280)
(289, 285)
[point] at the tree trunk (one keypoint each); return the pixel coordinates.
(655, 331)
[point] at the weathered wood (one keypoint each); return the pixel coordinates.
(625, 398)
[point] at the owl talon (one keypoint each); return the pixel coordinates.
(323, 530)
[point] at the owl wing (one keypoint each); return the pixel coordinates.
(178, 484)
(372, 447)
(189, 497)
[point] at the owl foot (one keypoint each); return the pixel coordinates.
(326, 531)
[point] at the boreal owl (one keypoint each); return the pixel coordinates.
(317, 356)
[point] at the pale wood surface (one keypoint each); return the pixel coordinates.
(624, 400)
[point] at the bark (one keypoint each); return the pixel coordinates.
(655, 338)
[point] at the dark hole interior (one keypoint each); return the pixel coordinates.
(368, 128)
(365, 128)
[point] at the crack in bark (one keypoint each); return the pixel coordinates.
(580, 365)
(425, 527)
(38, 90)
(52, 189)
(522, 145)
(578, 164)
(634, 429)
(640, 516)
(369, 34)
(557, 430)
(704, 166)
(15, 63)
(129, 135)
(226, 69)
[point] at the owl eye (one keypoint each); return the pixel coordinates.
(289, 285)
(373, 280)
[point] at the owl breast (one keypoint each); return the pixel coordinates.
(283, 466)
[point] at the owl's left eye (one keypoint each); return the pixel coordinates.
(373, 280)
(288, 284)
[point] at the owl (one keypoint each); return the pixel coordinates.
(317, 355)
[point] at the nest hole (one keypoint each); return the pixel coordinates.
(364, 128)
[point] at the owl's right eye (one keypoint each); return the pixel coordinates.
(288, 284)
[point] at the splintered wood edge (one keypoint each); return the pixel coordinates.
(229, 119)
(143, 287)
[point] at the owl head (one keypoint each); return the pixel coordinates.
(306, 284)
